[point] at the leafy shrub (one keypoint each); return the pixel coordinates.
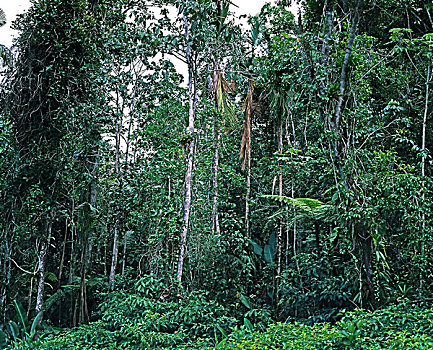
(401, 326)
(140, 320)
(21, 330)
(283, 336)
(317, 291)
(154, 316)
(396, 327)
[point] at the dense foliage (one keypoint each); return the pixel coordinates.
(276, 194)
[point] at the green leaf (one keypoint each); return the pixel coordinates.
(2, 340)
(14, 330)
(273, 243)
(71, 286)
(223, 332)
(268, 255)
(221, 344)
(257, 249)
(21, 315)
(34, 324)
(51, 277)
(248, 325)
(244, 301)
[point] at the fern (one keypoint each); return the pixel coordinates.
(310, 208)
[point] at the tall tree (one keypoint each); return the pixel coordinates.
(192, 101)
(51, 104)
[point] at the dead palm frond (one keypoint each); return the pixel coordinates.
(245, 150)
(222, 89)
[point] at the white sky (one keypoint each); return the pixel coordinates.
(14, 7)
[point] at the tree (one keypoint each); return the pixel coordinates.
(52, 104)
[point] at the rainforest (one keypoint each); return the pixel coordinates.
(175, 175)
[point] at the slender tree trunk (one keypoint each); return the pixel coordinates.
(3, 254)
(30, 297)
(125, 243)
(423, 141)
(83, 315)
(245, 153)
(424, 121)
(353, 28)
(247, 196)
(105, 254)
(280, 223)
(337, 115)
(115, 252)
(218, 91)
(62, 259)
(365, 241)
(295, 236)
(114, 256)
(7, 268)
(325, 63)
(93, 197)
(72, 266)
(128, 145)
(215, 220)
(186, 212)
(192, 99)
(42, 255)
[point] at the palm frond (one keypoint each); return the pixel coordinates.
(246, 135)
(222, 90)
(306, 204)
(310, 208)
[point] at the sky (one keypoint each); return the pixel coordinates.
(13, 7)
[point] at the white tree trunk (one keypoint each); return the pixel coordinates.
(42, 255)
(192, 98)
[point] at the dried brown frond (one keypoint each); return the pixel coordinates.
(245, 150)
(221, 91)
